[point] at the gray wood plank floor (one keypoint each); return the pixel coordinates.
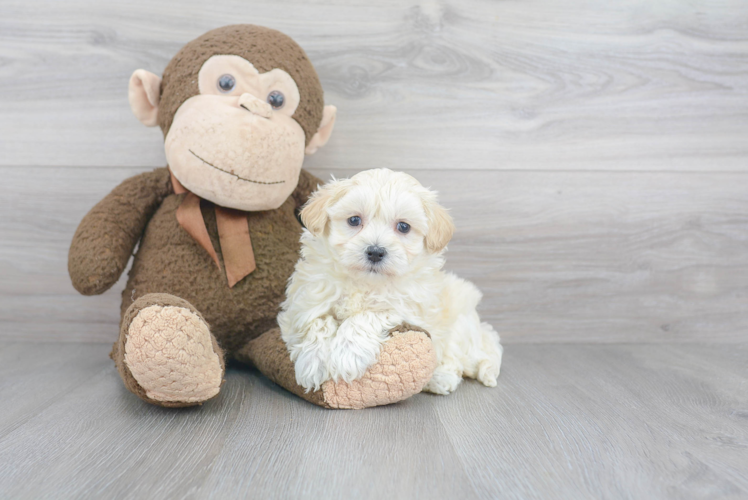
(566, 421)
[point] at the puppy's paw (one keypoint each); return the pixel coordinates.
(489, 369)
(310, 365)
(444, 380)
(352, 352)
(488, 373)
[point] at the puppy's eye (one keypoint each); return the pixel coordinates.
(403, 227)
(226, 83)
(354, 221)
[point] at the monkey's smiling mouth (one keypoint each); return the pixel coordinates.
(231, 173)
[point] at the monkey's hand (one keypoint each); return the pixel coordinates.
(107, 235)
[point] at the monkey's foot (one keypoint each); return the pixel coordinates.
(166, 353)
(405, 365)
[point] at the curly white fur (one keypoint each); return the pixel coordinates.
(340, 305)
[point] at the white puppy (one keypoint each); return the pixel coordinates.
(371, 259)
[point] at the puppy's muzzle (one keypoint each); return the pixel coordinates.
(375, 253)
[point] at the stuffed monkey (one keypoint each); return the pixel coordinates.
(217, 230)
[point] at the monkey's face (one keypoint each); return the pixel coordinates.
(235, 135)
(236, 143)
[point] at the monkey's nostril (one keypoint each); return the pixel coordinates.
(375, 253)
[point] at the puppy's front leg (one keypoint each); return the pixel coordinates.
(310, 352)
(356, 345)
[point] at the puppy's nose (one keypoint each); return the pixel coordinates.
(375, 253)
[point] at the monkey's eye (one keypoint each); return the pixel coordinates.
(403, 227)
(276, 99)
(226, 83)
(354, 221)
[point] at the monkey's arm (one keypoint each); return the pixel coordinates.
(306, 186)
(107, 235)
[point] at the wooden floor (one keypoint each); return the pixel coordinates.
(567, 421)
(594, 156)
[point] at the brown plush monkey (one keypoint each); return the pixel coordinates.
(217, 229)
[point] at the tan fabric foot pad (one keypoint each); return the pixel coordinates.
(169, 351)
(405, 365)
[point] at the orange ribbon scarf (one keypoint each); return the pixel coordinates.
(233, 234)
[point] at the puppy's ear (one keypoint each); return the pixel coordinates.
(314, 212)
(441, 227)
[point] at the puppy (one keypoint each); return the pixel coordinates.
(371, 259)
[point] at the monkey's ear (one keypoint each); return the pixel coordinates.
(441, 226)
(325, 129)
(314, 213)
(144, 93)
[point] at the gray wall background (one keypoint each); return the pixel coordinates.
(594, 155)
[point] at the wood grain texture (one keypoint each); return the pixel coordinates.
(625, 421)
(560, 256)
(420, 84)
(566, 421)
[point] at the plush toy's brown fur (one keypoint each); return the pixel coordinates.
(171, 269)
